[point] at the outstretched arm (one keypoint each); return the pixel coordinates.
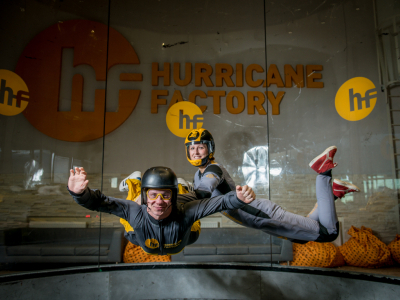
(95, 200)
(202, 208)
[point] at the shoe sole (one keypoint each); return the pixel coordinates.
(346, 184)
(327, 150)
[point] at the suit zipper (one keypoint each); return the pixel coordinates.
(161, 238)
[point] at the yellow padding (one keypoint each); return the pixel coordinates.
(313, 254)
(135, 254)
(394, 248)
(134, 186)
(182, 189)
(364, 249)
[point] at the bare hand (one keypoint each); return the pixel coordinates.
(77, 181)
(245, 193)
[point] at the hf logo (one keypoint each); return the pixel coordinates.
(65, 67)
(14, 93)
(152, 243)
(183, 117)
(356, 98)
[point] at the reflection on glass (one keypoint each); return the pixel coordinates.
(114, 182)
(37, 177)
(61, 167)
(276, 168)
(33, 174)
(255, 168)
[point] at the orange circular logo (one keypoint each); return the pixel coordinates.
(65, 67)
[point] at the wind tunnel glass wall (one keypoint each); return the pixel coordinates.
(336, 66)
(274, 83)
(206, 53)
(53, 55)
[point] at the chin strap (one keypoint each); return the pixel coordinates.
(200, 163)
(204, 161)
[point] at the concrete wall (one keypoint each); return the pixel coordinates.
(199, 284)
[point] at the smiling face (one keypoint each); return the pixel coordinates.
(159, 203)
(198, 151)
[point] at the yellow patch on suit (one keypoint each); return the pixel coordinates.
(134, 186)
(230, 217)
(172, 245)
(210, 176)
(152, 243)
(196, 226)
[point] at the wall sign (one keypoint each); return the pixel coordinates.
(40, 67)
(356, 98)
(183, 117)
(14, 94)
(233, 77)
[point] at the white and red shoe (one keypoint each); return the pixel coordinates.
(341, 188)
(324, 161)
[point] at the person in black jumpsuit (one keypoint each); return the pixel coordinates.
(162, 226)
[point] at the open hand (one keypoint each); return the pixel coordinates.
(245, 193)
(77, 181)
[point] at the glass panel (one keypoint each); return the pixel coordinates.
(345, 88)
(274, 83)
(52, 57)
(210, 53)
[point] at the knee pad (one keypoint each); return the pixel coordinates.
(324, 236)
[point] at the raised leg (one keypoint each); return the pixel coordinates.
(326, 203)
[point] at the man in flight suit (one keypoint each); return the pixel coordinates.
(162, 224)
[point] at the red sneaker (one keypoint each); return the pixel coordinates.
(324, 161)
(341, 188)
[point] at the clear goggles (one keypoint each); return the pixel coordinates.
(165, 194)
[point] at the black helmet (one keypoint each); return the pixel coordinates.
(159, 178)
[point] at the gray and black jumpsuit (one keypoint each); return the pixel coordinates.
(160, 237)
(269, 217)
